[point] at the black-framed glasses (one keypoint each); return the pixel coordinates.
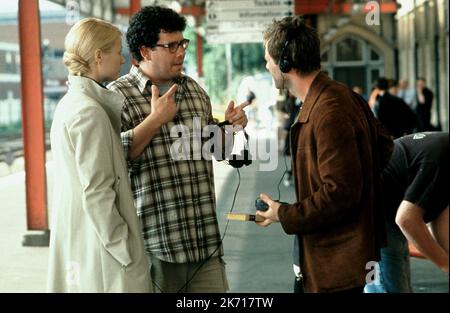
(173, 46)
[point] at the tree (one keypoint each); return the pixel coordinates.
(247, 59)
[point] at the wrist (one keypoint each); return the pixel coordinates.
(153, 121)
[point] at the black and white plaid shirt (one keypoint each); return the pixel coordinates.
(174, 198)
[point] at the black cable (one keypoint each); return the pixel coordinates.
(228, 221)
(285, 172)
(221, 240)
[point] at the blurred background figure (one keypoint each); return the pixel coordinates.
(359, 90)
(289, 106)
(424, 98)
(259, 89)
(282, 118)
(374, 94)
(252, 109)
(406, 93)
(393, 87)
(392, 111)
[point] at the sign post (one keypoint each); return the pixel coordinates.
(239, 21)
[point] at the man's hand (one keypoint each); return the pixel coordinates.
(271, 215)
(163, 111)
(236, 115)
(164, 108)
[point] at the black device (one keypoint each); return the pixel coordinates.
(285, 63)
(260, 205)
(235, 160)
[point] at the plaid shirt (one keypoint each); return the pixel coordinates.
(174, 198)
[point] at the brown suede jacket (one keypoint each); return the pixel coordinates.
(338, 150)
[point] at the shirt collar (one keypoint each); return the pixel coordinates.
(142, 80)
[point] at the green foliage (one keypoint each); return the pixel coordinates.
(190, 59)
(215, 73)
(247, 59)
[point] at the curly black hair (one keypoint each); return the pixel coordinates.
(146, 25)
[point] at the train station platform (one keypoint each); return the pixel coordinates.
(258, 259)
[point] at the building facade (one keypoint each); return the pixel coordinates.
(408, 44)
(423, 51)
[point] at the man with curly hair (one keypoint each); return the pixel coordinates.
(175, 198)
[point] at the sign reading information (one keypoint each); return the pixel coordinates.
(239, 21)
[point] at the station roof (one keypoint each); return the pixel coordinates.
(118, 10)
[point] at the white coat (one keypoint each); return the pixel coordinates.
(96, 243)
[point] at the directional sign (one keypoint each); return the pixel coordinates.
(229, 27)
(243, 20)
(248, 15)
(244, 37)
(218, 5)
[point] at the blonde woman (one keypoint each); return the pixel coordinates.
(96, 243)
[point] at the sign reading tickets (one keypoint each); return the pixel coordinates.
(240, 21)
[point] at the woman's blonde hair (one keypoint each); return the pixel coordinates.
(83, 39)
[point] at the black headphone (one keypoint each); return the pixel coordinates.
(285, 64)
(245, 158)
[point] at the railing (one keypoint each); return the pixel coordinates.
(11, 147)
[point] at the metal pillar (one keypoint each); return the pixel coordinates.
(135, 5)
(33, 123)
(199, 41)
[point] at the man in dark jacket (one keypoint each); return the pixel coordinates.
(338, 148)
(424, 98)
(393, 112)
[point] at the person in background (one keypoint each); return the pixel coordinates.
(96, 244)
(373, 97)
(252, 110)
(291, 108)
(406, 93)
(424, 98)
(416, 197)
(338, 151)
(358, 90)
(393, 87)
(392, 111)
(175, 198)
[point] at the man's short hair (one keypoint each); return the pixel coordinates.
(382, 83)
(303, 47)
(393, 83)
(146, 25)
